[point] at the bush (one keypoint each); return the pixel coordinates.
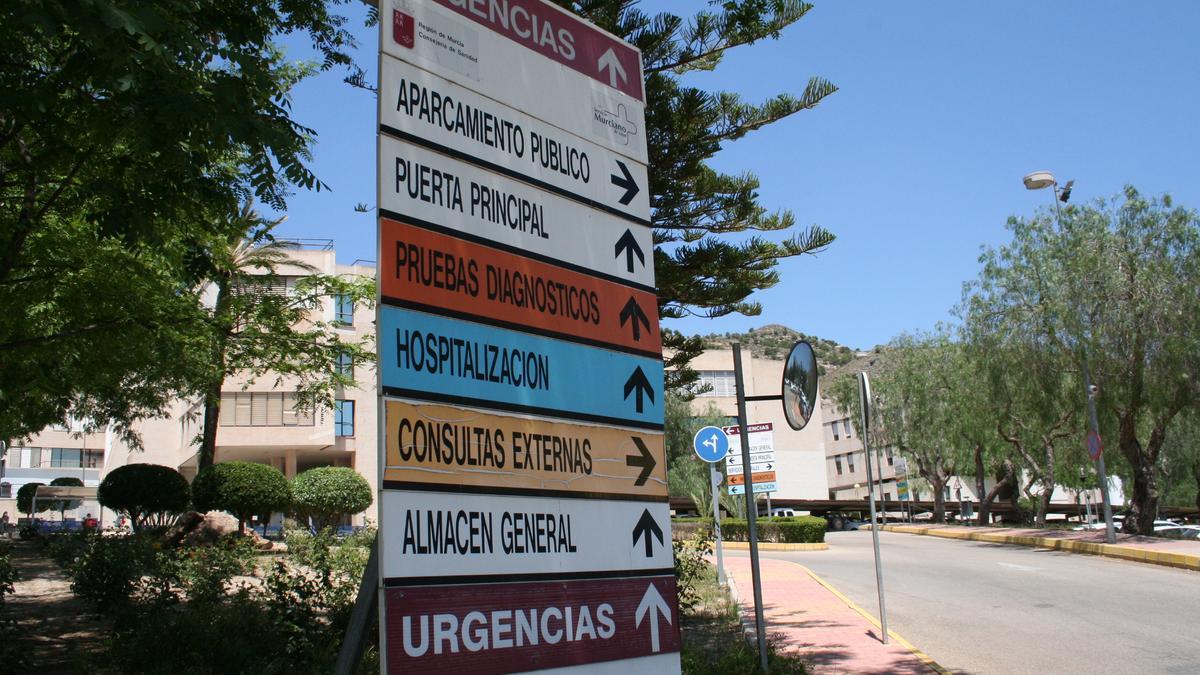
(25, 499)
(8, 574)
(329, 493)
(691, 568)
(114, 572)
(244, 489)
(792, 530)
(148, 493)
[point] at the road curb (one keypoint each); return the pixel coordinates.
(1180, 560)
(774, 546)
(921, 656)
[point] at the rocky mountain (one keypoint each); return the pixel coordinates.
(774, 340)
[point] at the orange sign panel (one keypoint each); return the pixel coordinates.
(437, 445)
(759, 477)
(433, 270)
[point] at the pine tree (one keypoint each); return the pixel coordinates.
(699, 269)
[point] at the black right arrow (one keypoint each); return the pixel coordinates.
(644, 459)
(626, 183)
(645, 527)
(628, 244)
(637, 381)
(632, 310)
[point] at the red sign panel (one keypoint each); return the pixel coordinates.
(516, 627)
(435, 270)
(560, 36)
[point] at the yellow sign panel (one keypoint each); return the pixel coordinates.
(433, 445)
(758, 476)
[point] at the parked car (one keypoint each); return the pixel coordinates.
(1179, 532)
(838, 522)
(783, 513)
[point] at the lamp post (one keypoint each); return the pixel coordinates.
(1036, 181)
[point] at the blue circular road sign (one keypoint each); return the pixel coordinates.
(1094, 446)
(711, 444)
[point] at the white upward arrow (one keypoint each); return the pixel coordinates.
(609, 60)
(653, 603)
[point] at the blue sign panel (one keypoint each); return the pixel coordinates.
(758, 488)
(711, 444)
(442, 359)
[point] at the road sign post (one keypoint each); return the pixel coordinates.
(524, 516)
(864, 393)
(751, 510)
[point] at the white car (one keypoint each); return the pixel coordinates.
(1179, 532)
(1120, 520)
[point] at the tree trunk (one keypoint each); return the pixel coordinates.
(1196, 475)
(212, 395)
(1044, 502)
(939, 498)
(1144, 503)
(984, 505)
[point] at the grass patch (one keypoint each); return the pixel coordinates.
(714, 640)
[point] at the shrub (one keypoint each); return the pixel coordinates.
(243, 489)
(328, 493)
(793, 530)
(691, 568)
(8, 574)
(111, 571)
(25, 499)
(148, 493)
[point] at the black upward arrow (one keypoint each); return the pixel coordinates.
(644, 528)
(628, 244)
(637, 381)
(626, 183)
(643, 459)
(632, 310)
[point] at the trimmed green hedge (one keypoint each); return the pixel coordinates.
(788, 530)
(244, 489)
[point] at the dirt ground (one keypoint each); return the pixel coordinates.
(57, 630)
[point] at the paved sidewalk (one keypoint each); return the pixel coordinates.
(1152, 550)
(807, 616)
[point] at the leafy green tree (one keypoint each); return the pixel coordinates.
(244, 489)
(257, 331)
(1179, 463)
(699, 269)
(1111, 287)
(25, 499)
(126, 131)
(148, 493)
(329, 493)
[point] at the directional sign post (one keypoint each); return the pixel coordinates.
(524, 515)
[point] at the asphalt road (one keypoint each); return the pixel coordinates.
(989, 608)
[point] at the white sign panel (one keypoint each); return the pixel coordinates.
(756, 458)
(431, 110)
(762, 440)
(436, 189)
(444, 535)
(516, 74)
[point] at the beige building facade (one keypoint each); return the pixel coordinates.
(259, 420)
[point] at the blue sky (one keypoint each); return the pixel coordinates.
(914, 164)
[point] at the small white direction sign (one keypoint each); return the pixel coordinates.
(437, 535)
(759, 488)
(424, 108)
(519, 68)
(426, 188)
(735, 459)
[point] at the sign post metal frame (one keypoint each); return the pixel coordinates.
(751, 509)
(864, 392)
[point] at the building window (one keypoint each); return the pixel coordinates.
(343, 309)
(837, 463)
(344, 365)
(835, 431)
(344, 418)
(850, 461)
(262, 409)
(68, 458)
(719, 383)
(846, 423)
(35, 458)
(5, 491)
(891, 458)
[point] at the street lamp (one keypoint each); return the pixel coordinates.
(1039, 180)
